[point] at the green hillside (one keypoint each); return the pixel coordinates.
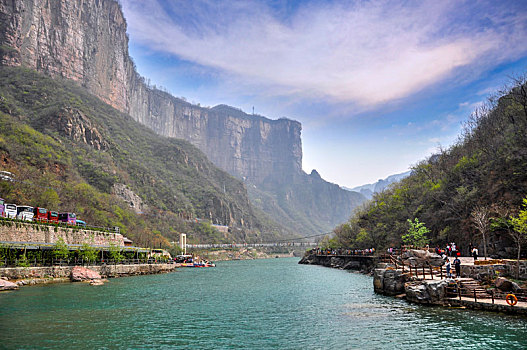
(68, 150)
(486, 169)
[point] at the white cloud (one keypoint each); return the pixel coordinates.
(366, 53)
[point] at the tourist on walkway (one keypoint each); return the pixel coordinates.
(448, 267)
(457, 265)
(475, 253)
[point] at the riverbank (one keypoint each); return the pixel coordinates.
(427, 283)
(55, 274)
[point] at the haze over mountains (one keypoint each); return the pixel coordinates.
(87, 42)
(369, 190)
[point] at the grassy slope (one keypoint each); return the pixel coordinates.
(171, 176)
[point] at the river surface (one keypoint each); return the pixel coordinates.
(258, 304)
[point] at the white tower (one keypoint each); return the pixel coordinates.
(183, 242)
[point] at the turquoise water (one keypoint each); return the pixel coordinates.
(259, 304)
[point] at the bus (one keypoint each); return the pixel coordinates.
(40, 214)
(10, 211)
(24, 212)
(68, 218)
(53, 216)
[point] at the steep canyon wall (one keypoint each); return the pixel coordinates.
(86, 41)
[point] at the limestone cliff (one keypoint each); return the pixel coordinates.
(86, 41)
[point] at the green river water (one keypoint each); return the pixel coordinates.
(259, 304)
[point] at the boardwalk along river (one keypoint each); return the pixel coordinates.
(260, 304)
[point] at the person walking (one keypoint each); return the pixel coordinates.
(448, 267)
(475, 253)
(457, 265)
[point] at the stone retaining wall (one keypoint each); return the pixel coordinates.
(106, 271)
(486, 306)
(485, 272)
(11, 231)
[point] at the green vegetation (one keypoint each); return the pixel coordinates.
(465, 194)
(116, 253)
(88, 252)
(416, 235)
(60, 251)
(68, 149)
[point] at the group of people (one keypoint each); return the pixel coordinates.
(451, 249)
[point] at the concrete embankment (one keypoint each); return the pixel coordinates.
(361, 263)
(50, 274)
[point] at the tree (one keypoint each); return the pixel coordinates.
(61, 250)
(519, 234)
(416, 235)
(88, 252)
(115, 252)
(49, 199)
(480, 217)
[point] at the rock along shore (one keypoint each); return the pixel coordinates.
(51, 274)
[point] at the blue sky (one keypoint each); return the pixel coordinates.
(377, 85)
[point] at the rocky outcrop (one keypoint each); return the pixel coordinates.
(420, 258)
(506, 285)
(125, 193)
(6, 285)
(358, 263)
(73, 124)
(388, 281)
(81, 274)
(427, 292)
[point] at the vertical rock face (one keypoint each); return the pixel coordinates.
(86, 41)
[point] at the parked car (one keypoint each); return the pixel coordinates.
(53, 216)
(24, 212)
(10, 211)
(40, 214)
(7, 176)
(2, 207)
(68, 218)
(81, 223)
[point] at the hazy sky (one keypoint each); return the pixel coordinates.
(377, 85)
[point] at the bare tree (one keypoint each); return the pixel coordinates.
(480, 217)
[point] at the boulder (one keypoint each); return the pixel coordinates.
(79, 274)
(419, 258)
(504, 284)
(388, 281)
(6, 285)
(426, 292)
(98, 282)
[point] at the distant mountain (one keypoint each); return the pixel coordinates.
(369, 189)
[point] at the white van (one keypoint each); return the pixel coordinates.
(24, 212)
(10, 211)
